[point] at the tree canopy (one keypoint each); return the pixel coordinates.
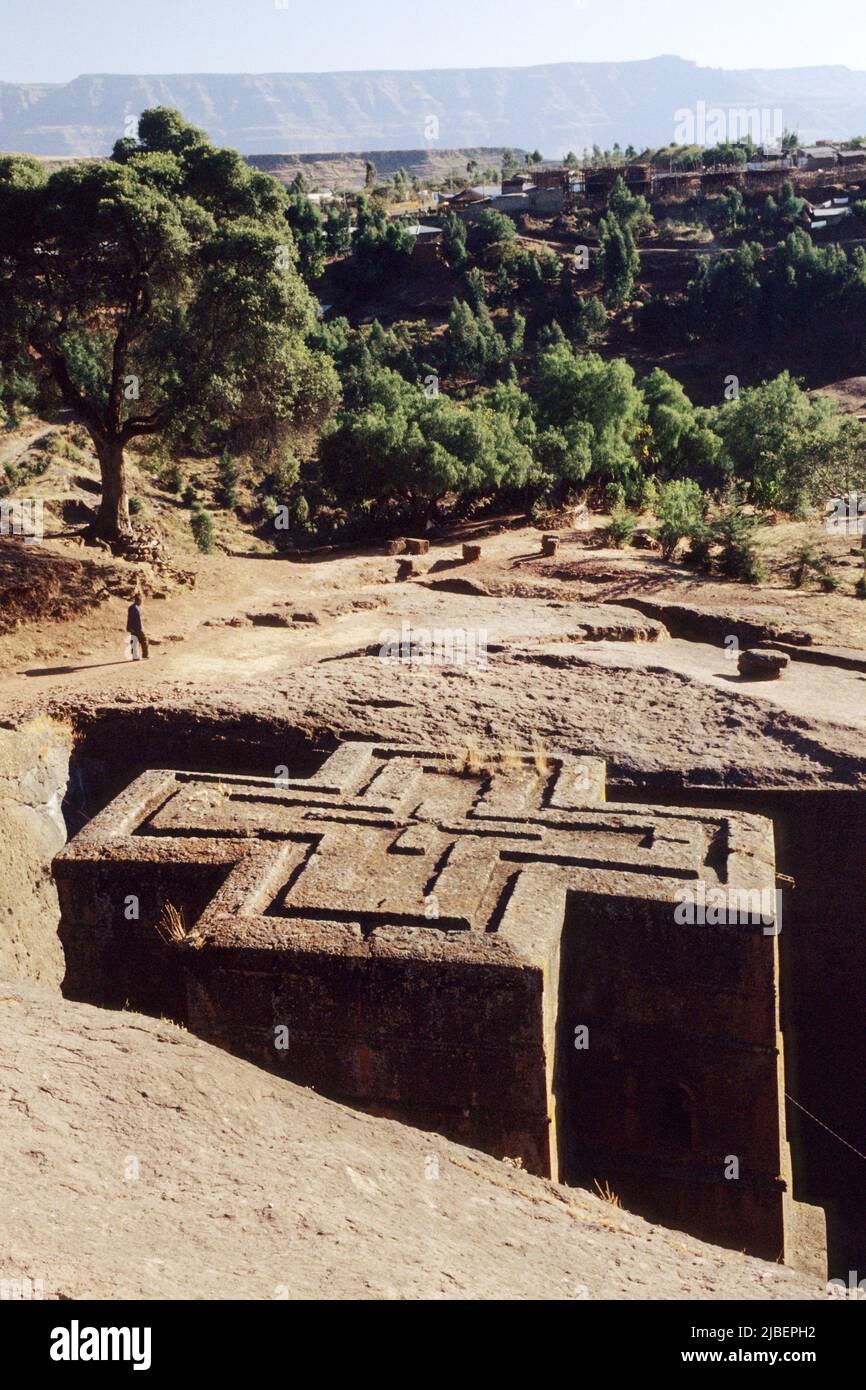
(157, 291)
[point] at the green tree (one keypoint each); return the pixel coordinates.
(631, 210)
(156, 292)
(473, 342)
(730, 211)
(588, 320)
(619, 261)
(596, 406)
(382, 248)
(517, 336)
(733, 529)
(201, 525)
(454, 243)
(308, 230)
(784, 445)
(338, 230)
(790, 208)
(683, 442)
(510, 164)
(493, 226)
(408, 450)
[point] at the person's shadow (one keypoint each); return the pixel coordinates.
(69, 670)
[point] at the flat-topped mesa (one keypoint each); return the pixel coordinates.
(493, 953)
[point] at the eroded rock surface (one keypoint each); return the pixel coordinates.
(143, 1163)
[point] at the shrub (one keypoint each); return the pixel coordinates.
(614, 496)
(860, 587)
(701, 545)
(812, 564)
(285, 474)
(300, 515)
(135, 506)
(11, 479)
(171, 477)
(229, 475)
(201, 523)
(623, 525)
(649, 495)
(680, 513)
(190, 496)
(733, 530)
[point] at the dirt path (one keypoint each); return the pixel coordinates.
(208, 633)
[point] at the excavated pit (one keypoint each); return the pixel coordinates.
(822, 943)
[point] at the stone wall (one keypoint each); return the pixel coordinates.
(34, 769)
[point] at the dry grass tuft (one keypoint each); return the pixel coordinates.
(171, 925)
(475, 761)
(469, 762)
(541, 758)
(606, 1195)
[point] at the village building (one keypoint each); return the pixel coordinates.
(818, 157)
(427, 242)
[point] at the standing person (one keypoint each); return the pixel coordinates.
(135, 628)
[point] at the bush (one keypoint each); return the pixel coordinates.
(623, 525)
(171, 477)
(300, 516)
(201, 523)
(701, 545)
(229, 475)
(285, 474)
(812, 564)
(11, 479)
(614, 496)
(135, 506)
(860, 587)
(680, 513)
(649, 495)
(190, 496)
(733, 531)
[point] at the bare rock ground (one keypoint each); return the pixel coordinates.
(141, 1163)
(568, 665)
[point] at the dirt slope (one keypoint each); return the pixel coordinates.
(140, 1163)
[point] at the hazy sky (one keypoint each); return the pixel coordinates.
(54, 40)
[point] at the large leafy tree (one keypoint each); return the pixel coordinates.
(787, 446)
(596, 407)
(156, 292)
(405, 448)
(683, 441)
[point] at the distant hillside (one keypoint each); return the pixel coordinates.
(342, 169)
(557, 107)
